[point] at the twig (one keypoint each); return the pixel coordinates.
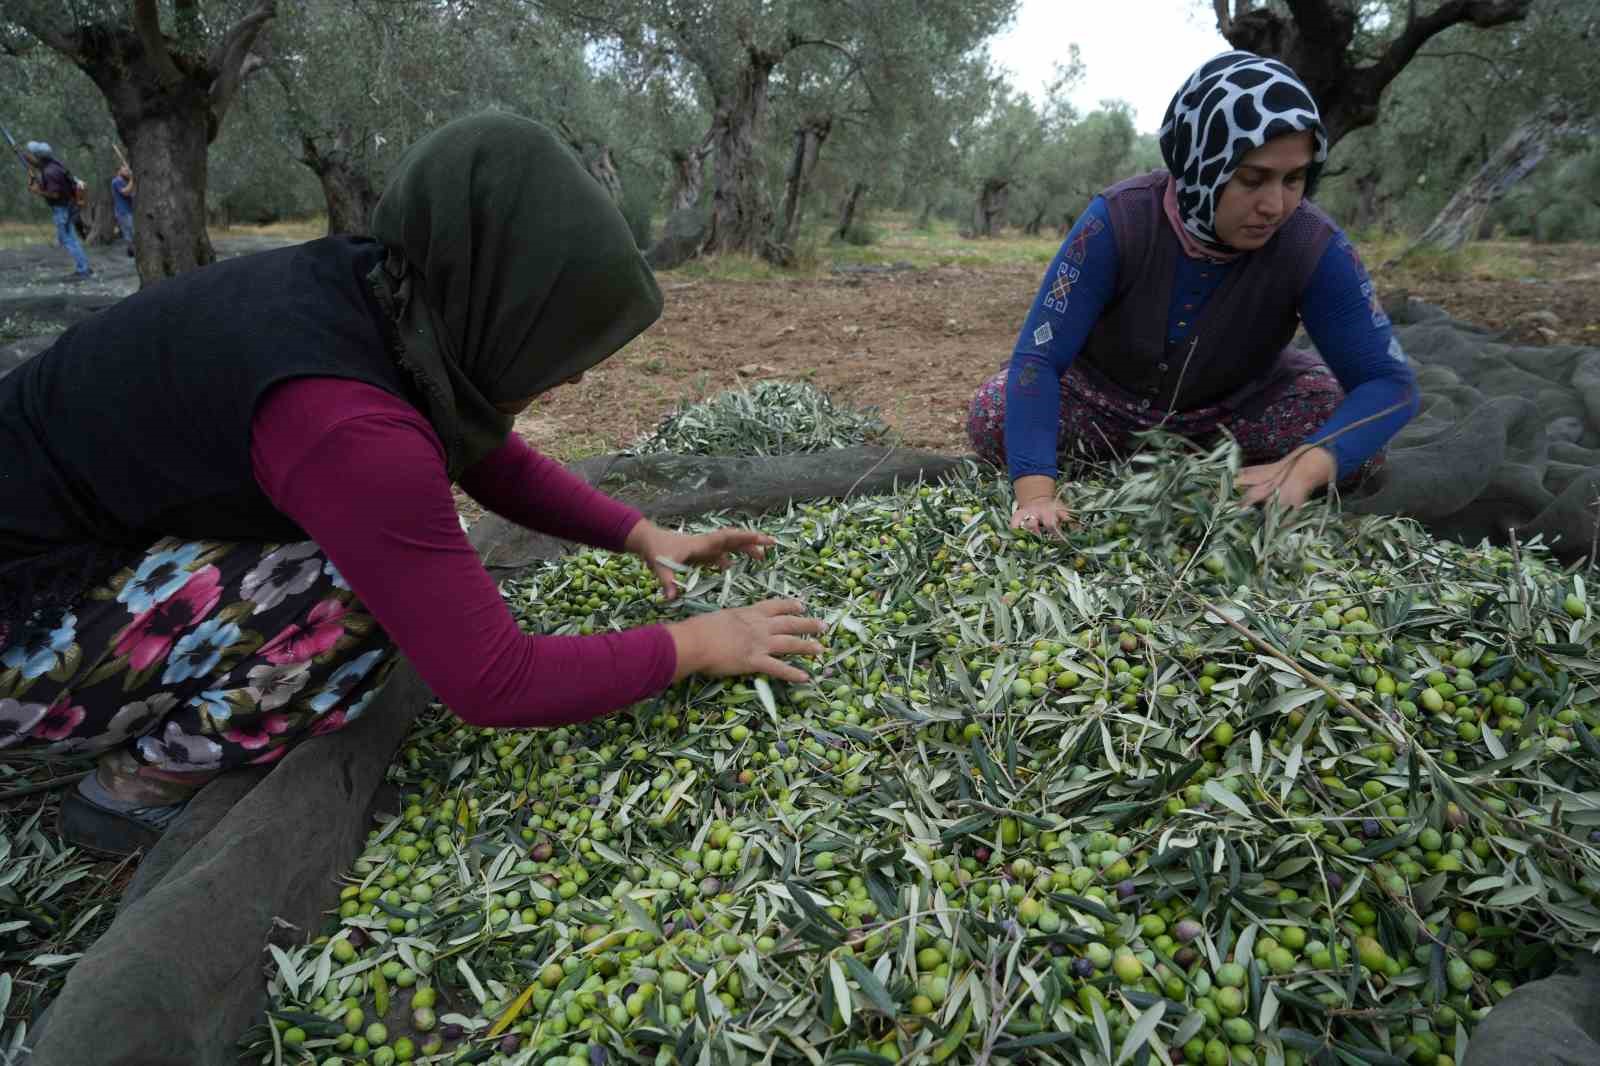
(1332, 693)
(43, 786)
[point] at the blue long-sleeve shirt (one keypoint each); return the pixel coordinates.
(1338, 308)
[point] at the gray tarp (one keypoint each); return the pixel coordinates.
(1508, 437)
(180, 973)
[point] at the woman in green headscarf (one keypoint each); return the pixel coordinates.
(226, 502)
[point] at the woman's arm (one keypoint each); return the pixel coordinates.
(1076, 288)
(538, 493)
(365, 478)
(1346, 322)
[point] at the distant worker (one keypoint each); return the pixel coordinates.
(49, 179)
(1172, 303)
(122, 203)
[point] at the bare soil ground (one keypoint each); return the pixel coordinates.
(918, 343)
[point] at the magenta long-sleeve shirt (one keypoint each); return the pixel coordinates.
(363, 473)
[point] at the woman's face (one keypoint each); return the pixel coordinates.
(1264, 191)
(516, 407)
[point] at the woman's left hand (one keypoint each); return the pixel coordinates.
(716, 548)
(1293, 479)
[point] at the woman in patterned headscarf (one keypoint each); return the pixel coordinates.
(225, 503)
(1171, 304)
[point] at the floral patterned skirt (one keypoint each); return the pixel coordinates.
(199, 656)
(1098, 422)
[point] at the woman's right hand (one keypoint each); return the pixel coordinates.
(1041, 514)
(746, 640)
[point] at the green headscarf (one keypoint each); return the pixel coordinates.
(509, 271)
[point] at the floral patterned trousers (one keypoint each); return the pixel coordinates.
(200, 656)
(1098, 423)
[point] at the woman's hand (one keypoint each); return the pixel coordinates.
(717, 548)
(1037, 508)
(746, 640)
(1292, 479)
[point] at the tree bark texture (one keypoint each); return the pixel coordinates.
(346, 187)
(596, 159)
(808, 138)
(1315, 40)
(989, 213)
(1516, 158)
(847, 215)
(168, 104)
(169, 212)
(99, 214)
(688, 178)
(741, 217)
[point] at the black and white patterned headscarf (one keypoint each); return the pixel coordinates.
(1233, 104)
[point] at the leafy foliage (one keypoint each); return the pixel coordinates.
(1194, 777)
(768, 418)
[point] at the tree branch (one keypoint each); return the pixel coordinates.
(1224, 20)
(147, 24)
(1481, 13)
(230, 61)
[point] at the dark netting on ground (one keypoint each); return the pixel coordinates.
(1508, 437)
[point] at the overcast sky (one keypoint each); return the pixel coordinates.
(1136, 50)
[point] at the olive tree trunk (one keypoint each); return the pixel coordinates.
(100, 214)
(688, 178)
(808, 138)
(1516, 158)
(168, 95)
(741, 217)
(989, 213)
(167, 153)
(347, 189)
(847, 215)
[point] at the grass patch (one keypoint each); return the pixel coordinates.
(896, 240)
(22, 234)
(1480, 260)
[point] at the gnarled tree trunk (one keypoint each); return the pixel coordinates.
(847, 215)
(346, 188)
(100, 215)
(169, 213)
(1516, 158)
(741, 218)
(989, 213)
(808, 138)
(688, 178)
(168, 95)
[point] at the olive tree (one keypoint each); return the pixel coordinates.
(1348, 51)
(734, 49)
(169, 74)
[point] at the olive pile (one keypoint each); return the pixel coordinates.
(1240, 788)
